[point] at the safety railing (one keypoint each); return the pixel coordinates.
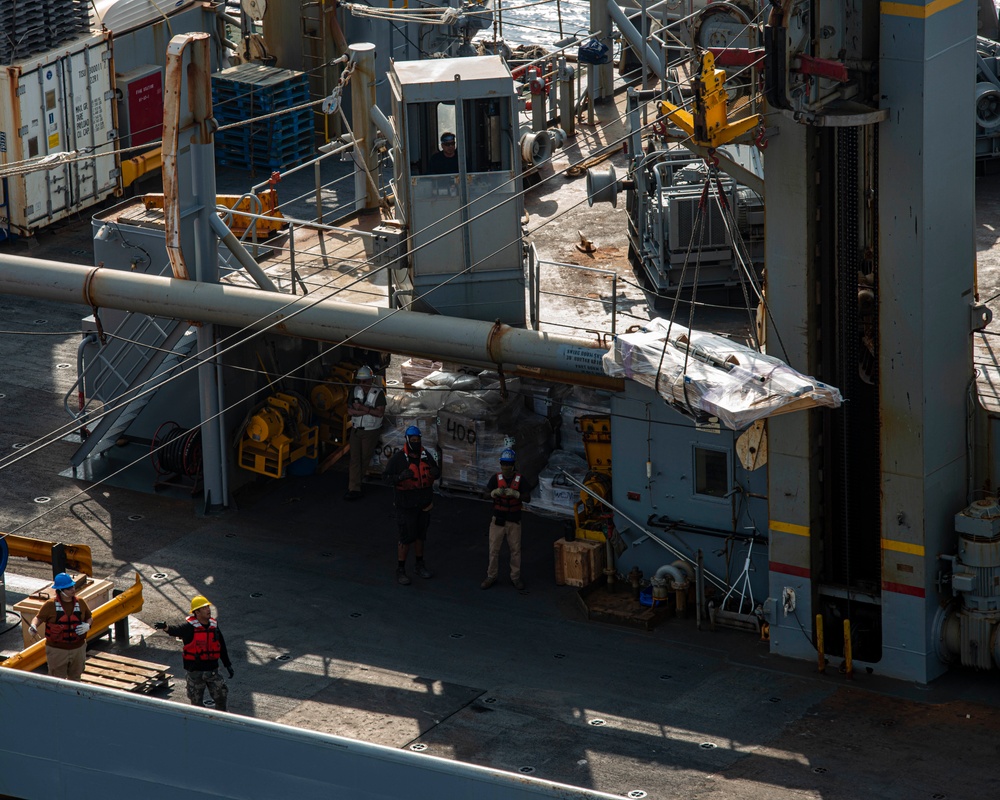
(292, 222)
(537, 295)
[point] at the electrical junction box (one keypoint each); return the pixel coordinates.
(389, 247)
(140, 106)
(388, 256)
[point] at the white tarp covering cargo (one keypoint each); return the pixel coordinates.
(708, 375)
(59, 106)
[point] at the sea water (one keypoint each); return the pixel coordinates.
(546, 22)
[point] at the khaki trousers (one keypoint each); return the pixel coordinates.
(511, 531)
(363, 445)
(66, 663)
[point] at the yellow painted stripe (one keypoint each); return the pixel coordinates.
(915, 11)
(903, 547)
(787, 527)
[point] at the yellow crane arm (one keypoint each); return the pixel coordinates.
(77, 555)
(128, 602)
(708, 125)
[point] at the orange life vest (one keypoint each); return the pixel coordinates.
(421, 476)
(62, 630)
(205, 644)
(507, 504)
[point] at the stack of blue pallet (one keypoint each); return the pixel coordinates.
(28, 27)
(246, 92)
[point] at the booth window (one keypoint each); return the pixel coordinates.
(488, 140)
(711, 472)
(426, 122)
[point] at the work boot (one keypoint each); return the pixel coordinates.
(402, 578)
(518, 583)
(352, 496)
(487, 583)
(421, 570)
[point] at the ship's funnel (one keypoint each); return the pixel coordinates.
(602, 187)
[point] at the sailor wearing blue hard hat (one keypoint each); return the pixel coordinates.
(508, 490)
(412, 471)
(67, 621)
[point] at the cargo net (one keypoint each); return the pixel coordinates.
(706, 375)
(28, 27)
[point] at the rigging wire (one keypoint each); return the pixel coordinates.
(75, 423)
(198, 362)
(158, 382)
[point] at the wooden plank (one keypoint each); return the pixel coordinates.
(133, 661)
(124, 668)
(124, 681)
(97, 680)
(125, 677)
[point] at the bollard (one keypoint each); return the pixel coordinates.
(539, 113)
(121, 626)
(819, 643)
(680, 601)
(848, 662)
(566, 97)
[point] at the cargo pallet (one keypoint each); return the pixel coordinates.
(128, 674)
(251, 90)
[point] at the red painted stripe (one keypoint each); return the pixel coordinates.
(901, 588)
(788, 569)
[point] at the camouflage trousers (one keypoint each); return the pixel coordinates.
(198, 681)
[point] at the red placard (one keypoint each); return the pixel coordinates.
(144, 98)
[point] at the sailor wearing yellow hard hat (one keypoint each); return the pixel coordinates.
(204, 647)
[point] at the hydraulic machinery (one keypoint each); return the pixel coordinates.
(276, 435)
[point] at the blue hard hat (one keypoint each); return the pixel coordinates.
(508, 455)
(413, 430)
(63, 581)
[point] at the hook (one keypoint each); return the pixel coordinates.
(761, 138)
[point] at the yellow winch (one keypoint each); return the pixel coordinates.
(329, 401)
(276, 434)
(592, 516)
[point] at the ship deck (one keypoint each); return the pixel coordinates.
(323, 638)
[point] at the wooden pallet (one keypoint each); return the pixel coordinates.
(128, 674)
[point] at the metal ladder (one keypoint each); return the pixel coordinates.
(317, 53)
(125, 375)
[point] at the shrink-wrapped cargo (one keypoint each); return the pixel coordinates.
(707, 375)
(415, 369)
(556, 493)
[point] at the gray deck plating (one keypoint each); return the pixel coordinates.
(503, 679)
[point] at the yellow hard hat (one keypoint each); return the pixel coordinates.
(199, 601)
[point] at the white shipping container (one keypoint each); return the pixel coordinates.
(58, 102)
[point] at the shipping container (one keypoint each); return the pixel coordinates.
(62, 101)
